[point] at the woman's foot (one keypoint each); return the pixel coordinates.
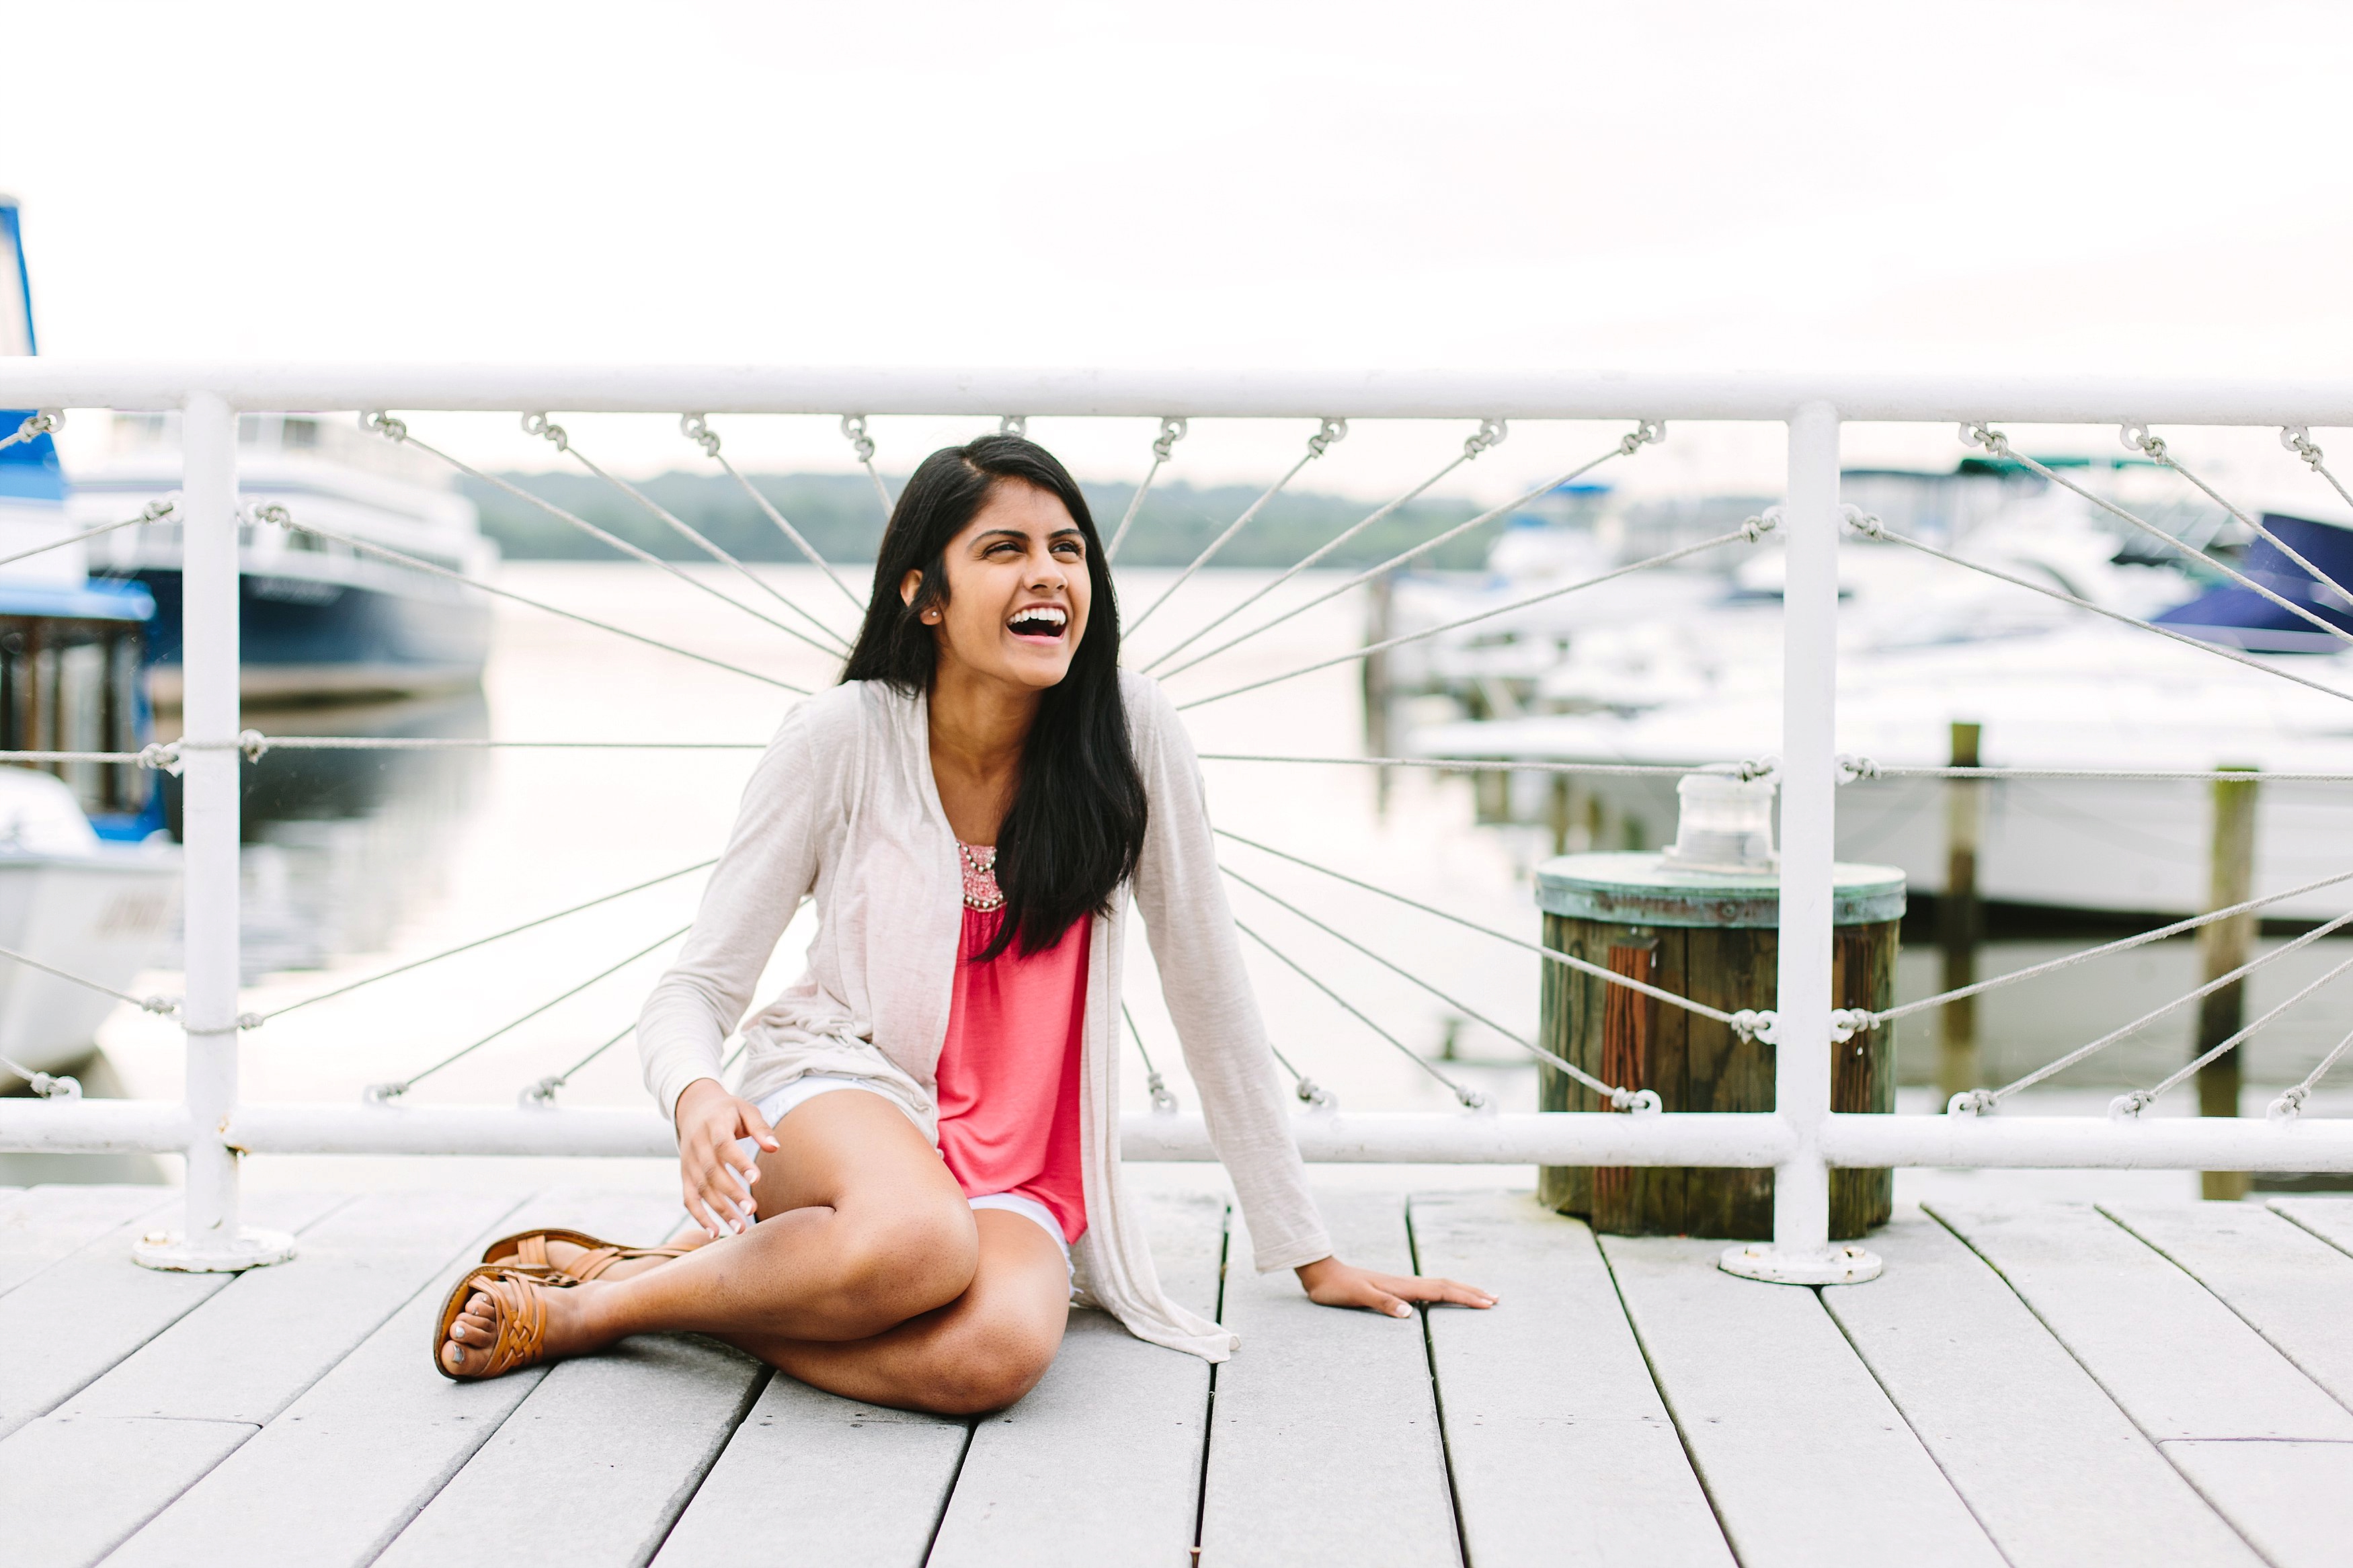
(562, 1255)
(566, 1328)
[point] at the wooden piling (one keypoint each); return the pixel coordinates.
(1960, 920)
(1714, 939)
(2224, 946)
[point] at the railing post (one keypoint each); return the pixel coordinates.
(210, 1240)
(1801, 1253)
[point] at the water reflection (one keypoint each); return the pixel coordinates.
(341, 847)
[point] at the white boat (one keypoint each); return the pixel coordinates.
(1925, 646)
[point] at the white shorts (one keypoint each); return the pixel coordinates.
(808, 1086)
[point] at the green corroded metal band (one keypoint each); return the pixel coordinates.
(1643, 890)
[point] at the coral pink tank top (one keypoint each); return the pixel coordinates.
(1008, 1074)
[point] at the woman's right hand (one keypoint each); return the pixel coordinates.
(715, 1176)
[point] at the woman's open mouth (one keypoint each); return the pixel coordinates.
(1043, 622)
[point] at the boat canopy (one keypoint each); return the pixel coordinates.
(2238, 616)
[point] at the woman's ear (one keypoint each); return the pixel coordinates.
(909, 586)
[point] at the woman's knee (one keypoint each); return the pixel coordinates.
(900, 1261)
(989, 1367)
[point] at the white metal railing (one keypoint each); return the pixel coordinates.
(1802, 1140)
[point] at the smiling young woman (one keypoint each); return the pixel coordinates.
(921, 1166)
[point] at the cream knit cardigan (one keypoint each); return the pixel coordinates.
(842, 808)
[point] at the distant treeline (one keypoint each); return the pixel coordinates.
(840, 517)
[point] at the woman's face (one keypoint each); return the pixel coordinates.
(1018, 589)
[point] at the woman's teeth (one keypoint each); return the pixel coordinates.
(1039, 621)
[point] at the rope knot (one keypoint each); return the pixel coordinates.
(1992, 440)
(376, 422)
(1973, 1102)
(158, 510)
(1750, 1023)
(163, 1007)
(1171, 432)
(253, 743)
(1757, 527)
(853, 427)
(1471, 1099)
(1864, 522)
(1760, 768)
(1014, 424)
(161, 755)
(542, 426)
(1636, 1101)
(1332, 430)
(272, 513)
(1164, 1103)
(1490, 434)
(2128, 1106)
(2288, 1106)
(696, 427)
(2298, 438)
(2137, 438)
(1317, 1097)
(1852, 768)
(541, 1095)
(38, 424)
(1846, 1023)
(55, 1086)
(383, 1093)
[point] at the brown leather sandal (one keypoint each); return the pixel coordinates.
(518, 1310)
(528, 1249)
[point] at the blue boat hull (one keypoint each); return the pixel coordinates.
(304, 639)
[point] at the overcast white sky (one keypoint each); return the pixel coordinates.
(2152, 185)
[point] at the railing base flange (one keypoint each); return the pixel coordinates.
(1800, 1265)
(248, 1249)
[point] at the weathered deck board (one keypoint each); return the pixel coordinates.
(38, 1225)
(2331, 1219)
(105, 1461)
(92, 1307)
(1806, 1460)
(2288, 1285)
(1324, 1445)
(336, 1475)
(2071, 1485)
(1101, 1464)
(2190, 1375)
(1561, 1449)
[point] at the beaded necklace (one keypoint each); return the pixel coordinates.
(980, 889)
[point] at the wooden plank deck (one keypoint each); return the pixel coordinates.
(2033, 1384)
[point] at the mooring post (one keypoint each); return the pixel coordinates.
(210, 1240)
(1960, 921)
(1801, 1252)
(2224, 946)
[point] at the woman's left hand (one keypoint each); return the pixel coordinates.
(1332, 1283)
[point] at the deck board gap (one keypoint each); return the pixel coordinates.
(1437, 1393)
(1651, 1365)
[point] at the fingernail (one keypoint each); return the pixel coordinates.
(1400, 1311)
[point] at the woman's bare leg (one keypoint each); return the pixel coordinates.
(981, 1352)
(864, 1229)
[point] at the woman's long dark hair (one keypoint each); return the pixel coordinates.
(1076, 825)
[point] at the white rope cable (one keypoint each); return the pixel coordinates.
(1314, 1094)
(696, 427)
(39, 423)
(379, 422)
(1649, 431)
(2290, 1105)
(1745, 1023)
(2123, 944)
(2137, 437)
(49, 1086)
(853, 430)
(154, 511)
(1164, 1099)
(278, 516)
(2296, 438)
(163, 1006)
(1754, 529)
(378, 1093)
(1978, 1101)
(1870, 527)
(1489, 433)
(1998, 444)
(1468, 765)
(1619, 1098)
(540, 425)
(1171, 432)
(1471, 1099)
(2140, 1100)
(494, 936)
(1330, 431)
(543, 1091)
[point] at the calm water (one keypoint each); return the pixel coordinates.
(357, 862)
